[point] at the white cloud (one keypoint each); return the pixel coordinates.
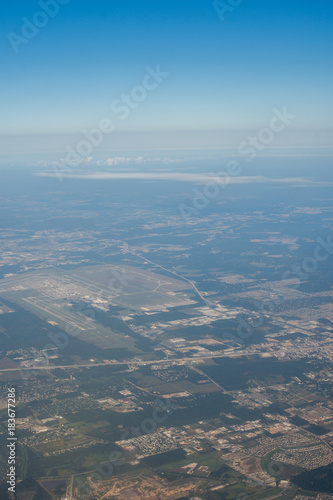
(113, 161)
(187, 177)
(139, 160)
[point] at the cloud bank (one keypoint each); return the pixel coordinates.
(186, 177)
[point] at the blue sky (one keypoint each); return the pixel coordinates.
(224, 77)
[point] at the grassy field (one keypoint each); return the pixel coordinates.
(211, 460)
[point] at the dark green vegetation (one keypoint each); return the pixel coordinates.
(237, 374)
(316, 480)
(156, 461)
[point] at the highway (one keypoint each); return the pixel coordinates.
(179, 361)
(175, 274)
